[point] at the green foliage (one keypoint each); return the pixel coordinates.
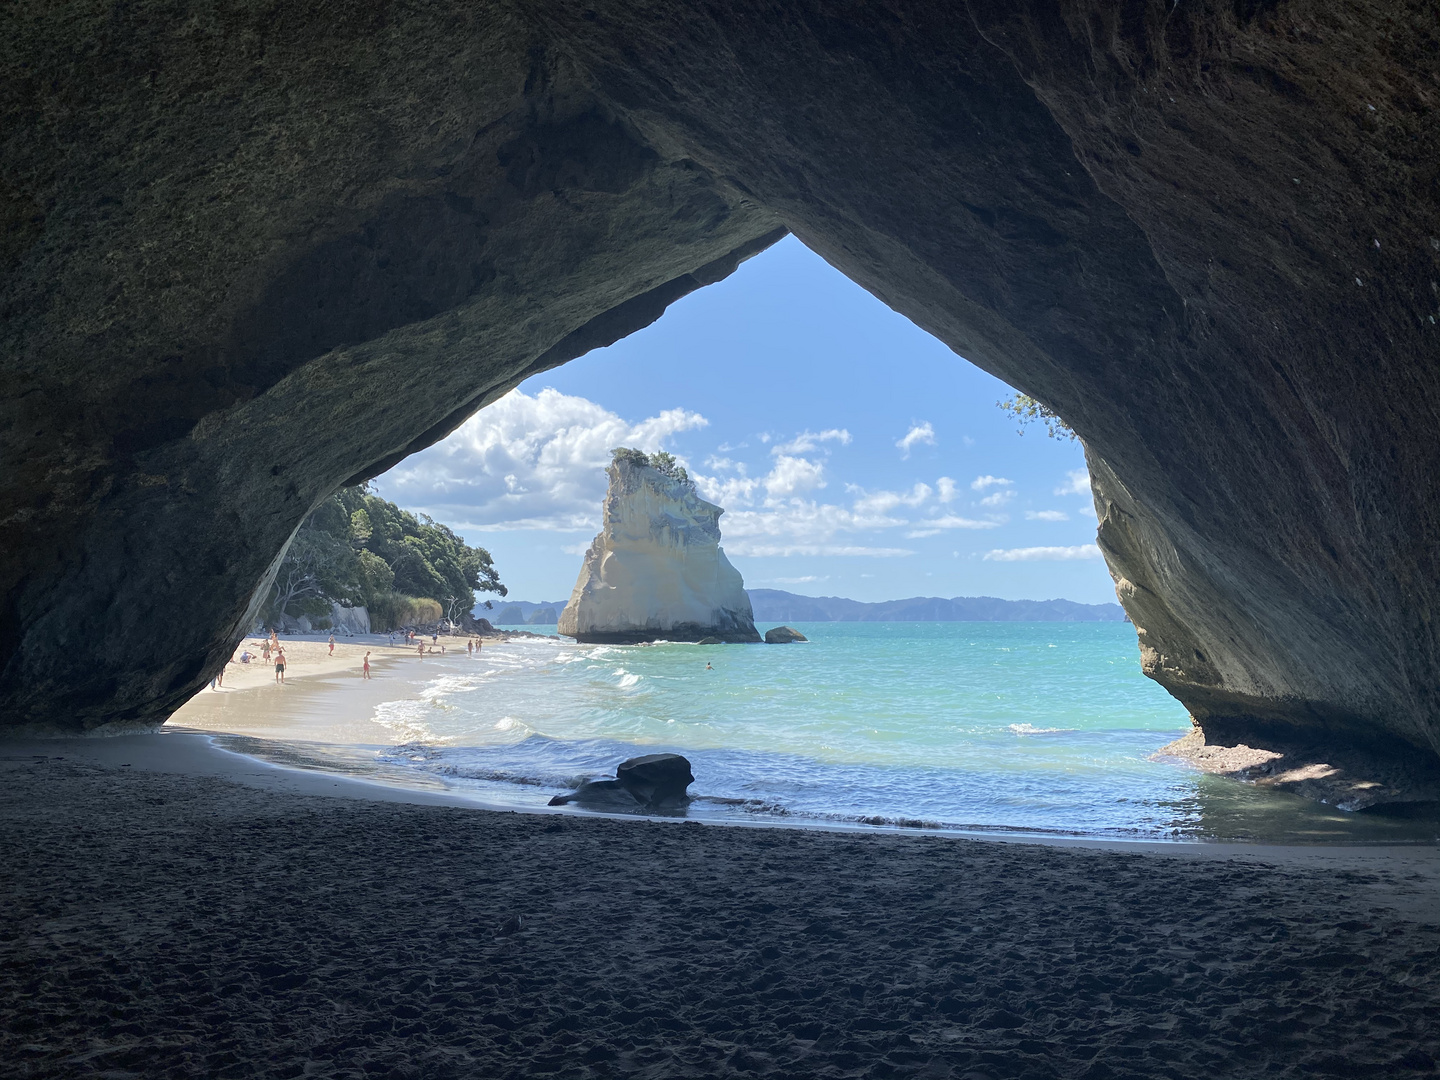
(660, 461)
(389, 610)
(357, 548)
(1026, 410)
(630, 454)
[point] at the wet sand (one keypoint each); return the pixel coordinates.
(173, 910)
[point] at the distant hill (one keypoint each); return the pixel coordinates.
(522, 612)
(773, 605)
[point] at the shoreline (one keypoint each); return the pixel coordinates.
(326, 718)
(200, 754)
(176, 910)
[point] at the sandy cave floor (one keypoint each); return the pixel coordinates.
(164, 925)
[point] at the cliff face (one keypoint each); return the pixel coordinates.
(656, 570)
(248, 259)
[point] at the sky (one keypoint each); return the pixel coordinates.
(854, 454)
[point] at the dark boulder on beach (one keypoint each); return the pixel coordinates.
(651, 782)
(783, 635)
(599, 795)
(657, 780)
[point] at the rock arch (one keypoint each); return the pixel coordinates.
(256, 253)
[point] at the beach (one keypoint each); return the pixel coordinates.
(258, 899)
(175, 910)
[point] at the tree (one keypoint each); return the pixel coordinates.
(357, 548)
(317, 566)
(1026, 410)
(660, 461)
(665, 463)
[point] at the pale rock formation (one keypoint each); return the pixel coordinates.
(350, 620)
(656, 569)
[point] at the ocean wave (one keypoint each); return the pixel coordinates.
(405, 720)
(1031, 729)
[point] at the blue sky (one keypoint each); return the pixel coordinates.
(855, 455)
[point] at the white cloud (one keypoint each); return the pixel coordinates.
(950, 521)
(980, 483)
(575, 549)
(729, 492)
(1087, 510)
(799, 521)
(527, 463)
(1044, 554)
(882, 502)
(792, 475)
(810, 440)
(946, 487)
(1077, 482)
(920, 534)
(800, 580)
(761, 551)
(918, 433)
(997, 498)
(1046, 515)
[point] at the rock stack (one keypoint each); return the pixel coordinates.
(656, 571)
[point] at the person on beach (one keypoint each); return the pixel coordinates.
(470, 648)
(279, 665)
(365, 671)
(245, 657)
(422, 648)
(332, 644)
(220, 675)
(265, 650)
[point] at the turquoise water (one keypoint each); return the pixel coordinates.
(1032, 727)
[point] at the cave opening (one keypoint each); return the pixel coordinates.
(878, 498)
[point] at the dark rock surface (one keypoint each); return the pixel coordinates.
(599, 795)
(650, 782)
(657, 780)
(249, 258)
(783, 635)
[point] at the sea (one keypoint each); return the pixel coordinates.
(1042, 729)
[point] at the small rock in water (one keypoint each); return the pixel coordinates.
(652, 782)
(783, 635)
(710, 641)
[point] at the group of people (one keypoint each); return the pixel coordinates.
(270, 647)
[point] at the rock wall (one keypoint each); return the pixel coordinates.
(247, 259)
(350, 620)
(656, 569)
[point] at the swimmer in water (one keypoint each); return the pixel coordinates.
(708, 667)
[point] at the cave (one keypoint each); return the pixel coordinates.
(252, 254)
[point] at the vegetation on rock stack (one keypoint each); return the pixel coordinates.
(357, 549)
(660, 461)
